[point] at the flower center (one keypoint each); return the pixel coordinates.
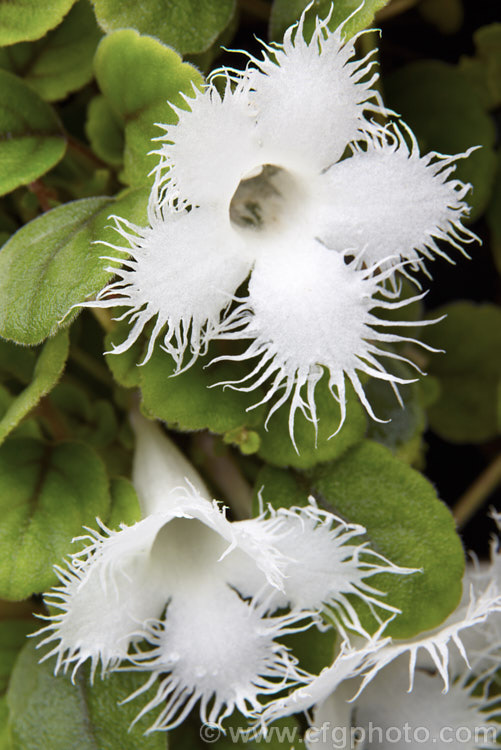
(266, 200)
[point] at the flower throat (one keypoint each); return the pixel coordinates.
(266, 200)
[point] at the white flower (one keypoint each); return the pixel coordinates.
(286, 177)
(440, 679)
(387, 714)
(202, 604)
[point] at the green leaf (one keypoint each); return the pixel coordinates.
(138, 75)
(189, 26)
(53, 263)
(47, 372)
(48, 493)
(5, 743)
(49, 265)
(12, 638)
(204, 61)
(51, 712)
(29, 427)
(484, 70)
(62, 61)
(94, 422)
(276, 445)
(105, 131)
(31, 139)
(447, 116)
(469, 373)
(314, 649)
(24, 20)
(124, 367)
(124, 504)
(404, 426)
(405, 522)
(281, 488)
(78, 175)
(286, 12)
(16, 361)
(187, 402)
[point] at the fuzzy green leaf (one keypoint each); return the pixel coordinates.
(446, 115)
(28, 427)
(124, 504)
(403, 427)
(105, 131)
(469, 373)
(49, 265)
(24, 20)
(124, 367)
(285, 12)
(404, 422)
(189, 26)
(484, 70)
(187, 402)
(62, 61)
(16, 361)
(51, 712)
(47, 372)
(138, 75)
(314, 649)
(280, 488)
(53, 263)
(404, 519)
(12, 638)
(48, 493)
(31, 138)
(92, 421)
(407, 523)
(277, 448)
(5, 742)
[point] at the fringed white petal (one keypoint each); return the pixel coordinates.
(310, 97)
(106, 593)
(387, 200)
(160, 597)
(332, 720)
(324, 567)
(387, 714)
(483, 642)
(432, 648)
(210, 149)
(216, 649)
(308, 310)
(182, 273)
(428, 653)
(347, 665)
